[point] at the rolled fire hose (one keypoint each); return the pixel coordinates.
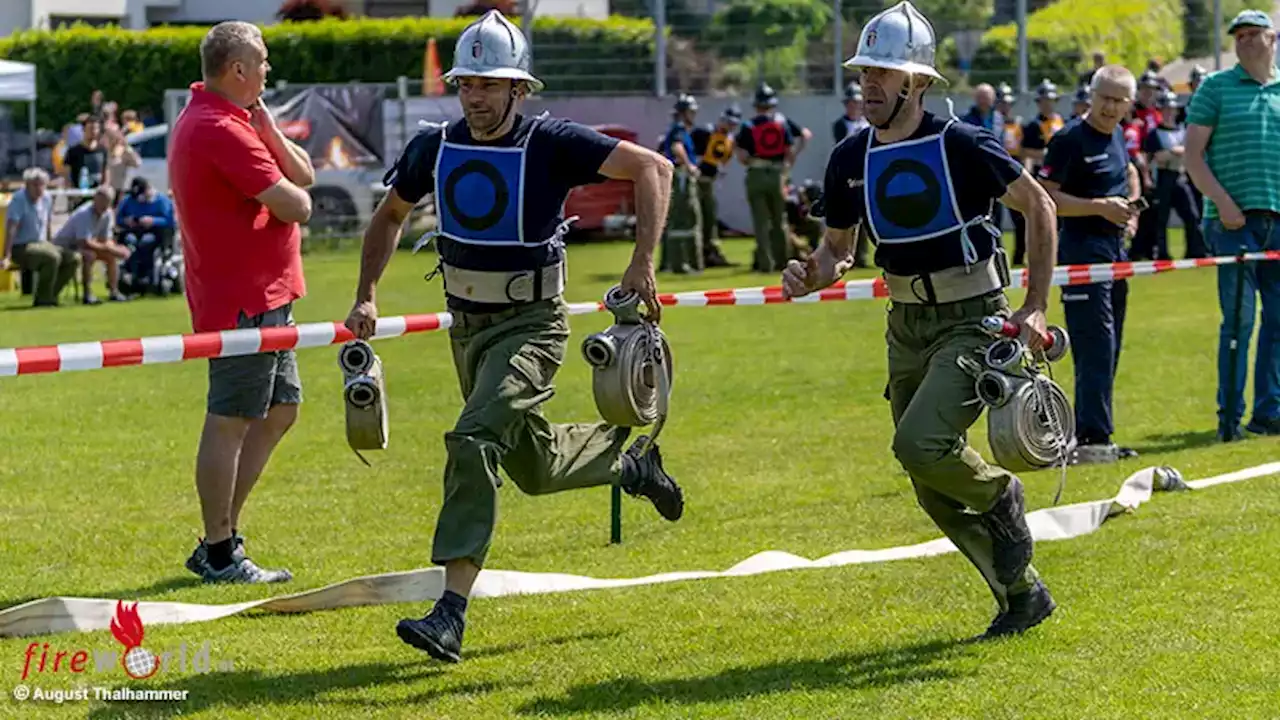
(632, 367)
(1030, 423)
(364, 393)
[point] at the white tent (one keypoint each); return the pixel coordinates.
(18, 83)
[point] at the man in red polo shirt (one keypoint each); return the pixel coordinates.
(238, 188)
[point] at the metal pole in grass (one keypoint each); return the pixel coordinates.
(1234, 347)
(615, 514)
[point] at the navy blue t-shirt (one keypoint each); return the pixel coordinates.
(981, 171)
(560, 156)
(1088, 163)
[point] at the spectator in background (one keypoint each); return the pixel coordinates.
(1080, 104)
(1086, 77)
(844, 126)
(1011, 137)
(1239, 173)
(145, 224)
(1164, 148)
(110, 121)
(87, 162)
(238, 185)
(1087, 172)
(95, 103)
(983, 112)
(682, 240)
(713, 146)
(1196, 77)
(1036, 135)
(89, 231)
(27, 239)
(1145, 109)
(129, 122)
(852, 118)
(766, 146)
(121, 157)
(74, 132)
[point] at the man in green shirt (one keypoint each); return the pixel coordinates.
(1232, 154)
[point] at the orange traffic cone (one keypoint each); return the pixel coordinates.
(432, 82)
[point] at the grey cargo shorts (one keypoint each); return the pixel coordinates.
(249, 386)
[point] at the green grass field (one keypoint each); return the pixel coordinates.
(780, 437)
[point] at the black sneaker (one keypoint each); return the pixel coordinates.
(200, 556)
(1011, 542)
(439, 634)
(643, 476)
(1026, 610)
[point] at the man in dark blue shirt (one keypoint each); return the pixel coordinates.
(925, 186)
(1095, 187)
(500, 179)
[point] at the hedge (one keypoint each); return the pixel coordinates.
(135, 67)
(1061, 38)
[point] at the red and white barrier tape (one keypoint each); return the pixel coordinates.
(177, 348)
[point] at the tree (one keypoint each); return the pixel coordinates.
(948, 16)
(745, 27)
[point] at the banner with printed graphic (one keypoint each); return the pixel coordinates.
(340, 126)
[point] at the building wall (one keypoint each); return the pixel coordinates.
(14, 16)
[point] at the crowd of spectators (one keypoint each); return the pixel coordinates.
(116, 218)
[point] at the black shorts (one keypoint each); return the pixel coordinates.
(249, 386)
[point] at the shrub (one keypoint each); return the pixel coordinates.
(1061, 37)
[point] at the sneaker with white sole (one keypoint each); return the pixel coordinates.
(1099, 454)
(244, 571)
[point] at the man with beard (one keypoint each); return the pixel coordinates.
(502, 178)
(1094, 185)
(925, 186)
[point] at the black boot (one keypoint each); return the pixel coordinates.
(643, 476)
(1011, 543)
(439, 633)
(1026, 610)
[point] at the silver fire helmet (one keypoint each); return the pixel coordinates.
(900, 38)
(492, 47)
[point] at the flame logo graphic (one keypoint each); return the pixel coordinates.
(127, 628)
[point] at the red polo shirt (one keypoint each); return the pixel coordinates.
(239, 257)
